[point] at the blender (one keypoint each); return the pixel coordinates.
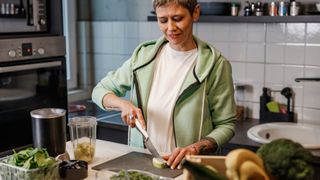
(83, 137)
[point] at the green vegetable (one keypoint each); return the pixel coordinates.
(31, 158)
(130, 175)
(201, 171)
(286, 159)
(159, 163)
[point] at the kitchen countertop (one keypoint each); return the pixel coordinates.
(105, 151)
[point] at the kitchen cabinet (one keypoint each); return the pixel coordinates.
(255, 19)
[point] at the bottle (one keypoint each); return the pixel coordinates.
(234, 9)
(259, 9)
(282, 10)
(248, 9)
(3, 9)
(273, 10)
(294, 8)
(201, 171)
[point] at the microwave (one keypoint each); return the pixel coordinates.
(23, 16)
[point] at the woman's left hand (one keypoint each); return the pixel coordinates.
(173, 160)
(204, 146)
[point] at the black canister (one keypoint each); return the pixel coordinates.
(49, 130)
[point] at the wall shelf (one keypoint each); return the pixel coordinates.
(256, 19)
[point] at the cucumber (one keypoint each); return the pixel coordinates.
(201, 171)
(159, 163)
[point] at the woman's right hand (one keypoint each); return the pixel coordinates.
(129, 112)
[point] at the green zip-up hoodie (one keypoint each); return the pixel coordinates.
(206, 106)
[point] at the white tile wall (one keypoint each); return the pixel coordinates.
(294, 54)
(312, 55)
(256, 32)
(296, 33)
(275, 53)
(262, 55)
(255, 52)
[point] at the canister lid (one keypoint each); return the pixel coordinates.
(48, 113)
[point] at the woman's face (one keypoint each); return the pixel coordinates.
(176, 22)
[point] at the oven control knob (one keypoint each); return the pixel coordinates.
(12, 53)
(42, 22)
(41, 51)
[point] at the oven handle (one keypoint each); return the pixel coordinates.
(29, 66)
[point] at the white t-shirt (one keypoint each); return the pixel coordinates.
(171, 69)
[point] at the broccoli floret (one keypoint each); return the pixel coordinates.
(286, 159)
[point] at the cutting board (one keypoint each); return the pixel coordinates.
(139, 161)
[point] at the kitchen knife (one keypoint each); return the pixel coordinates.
(147, 141)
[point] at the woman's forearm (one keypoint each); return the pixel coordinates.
(111, 101)
(205, 146)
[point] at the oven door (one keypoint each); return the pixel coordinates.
(24, 86)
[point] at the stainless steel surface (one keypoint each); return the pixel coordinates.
(29, 67)
(147, 141)
(42, 47)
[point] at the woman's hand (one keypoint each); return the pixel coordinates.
(129, 112)
(204, 146)
(173, 160)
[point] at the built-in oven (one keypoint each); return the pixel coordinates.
(32, 76)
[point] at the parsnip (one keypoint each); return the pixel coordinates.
(249, 171)
(236, 157)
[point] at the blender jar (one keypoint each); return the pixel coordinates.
(83, 137)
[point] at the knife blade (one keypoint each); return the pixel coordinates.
(147, 141)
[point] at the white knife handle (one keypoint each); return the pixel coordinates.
(144, 132)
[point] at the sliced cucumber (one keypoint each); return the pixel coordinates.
(159, 163)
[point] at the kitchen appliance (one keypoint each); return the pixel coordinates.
(32, 76)
(29, 16)
(49, 130)
(23, 16)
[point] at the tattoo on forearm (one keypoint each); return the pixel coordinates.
(207, 146)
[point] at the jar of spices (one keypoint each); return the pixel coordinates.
(273, 10)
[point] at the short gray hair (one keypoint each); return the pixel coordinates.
(189, 4)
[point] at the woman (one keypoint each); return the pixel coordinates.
(181, 88)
